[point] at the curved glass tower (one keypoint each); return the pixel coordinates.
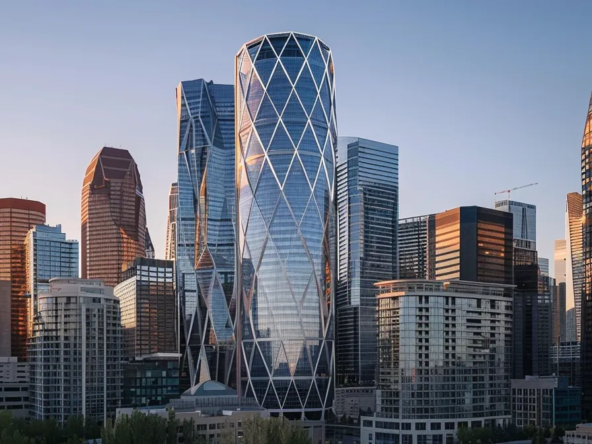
(286, 139)
(205, 248)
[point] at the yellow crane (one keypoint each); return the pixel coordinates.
(517, 188)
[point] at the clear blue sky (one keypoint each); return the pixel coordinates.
(479, 95)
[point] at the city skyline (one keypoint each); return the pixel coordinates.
(556, 99)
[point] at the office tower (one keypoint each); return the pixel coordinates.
(524, 218)
(75, 352)
(48, 255)
(565, 361)
(286, 142)
(570, 325)
(473, 244)
(367, 196)
(150, 332)
(542, 322)
(14, 387)
(171, 234)
(575, 272)
(444, 360)
(543, 266)
(17, 217)
(205, 230)
(559, 302)
(149, 246)
(415, 236)
(113, 216)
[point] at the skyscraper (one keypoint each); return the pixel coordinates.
(415, 235)
(368, 197)
(524, 218)
(149, 246)
(171, 233)
(48, 255)
(575, 273)
(559, 306)
(17, 217)
(585, 213)
(113, 216)
(286, 142)
(75, 352)
(205, 248)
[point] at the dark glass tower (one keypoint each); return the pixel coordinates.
(286, 142)
(204, 230)
(586, 306)
(368, 198)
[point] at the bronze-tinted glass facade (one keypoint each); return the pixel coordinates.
(17, 217)
(113, 216)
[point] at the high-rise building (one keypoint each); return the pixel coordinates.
(205, 230)
(367, 196)
(286, 143)
(542, 320)
(75, 352)
(559, 302)
(150, 253)
(444, 360)
(48, 255)
(148, 308)
(17, 217)
(415, 235)
(524, 218)
(565, 361)
(113, 216)
(570, 325)
(171, 234)
(575, 273)
(473, 244)
(14, 387)
(543, 266)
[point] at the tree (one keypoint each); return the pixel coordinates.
(188, 431)
(172, 428)
(228, 435)
(74, 427)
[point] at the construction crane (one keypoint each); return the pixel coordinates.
(517, 188)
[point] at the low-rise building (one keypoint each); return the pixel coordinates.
(545, 401)
(14, 386)
(350, 401)
(581, 435)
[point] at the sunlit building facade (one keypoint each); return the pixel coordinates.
(559, 294)
(286, 144)
(113, 216)
(171, 233)
(575, 274)
(17, 217)
(204, 228)
(367, 206)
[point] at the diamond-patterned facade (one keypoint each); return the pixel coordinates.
(286, 142)
(205, 231)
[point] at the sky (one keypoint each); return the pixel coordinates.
(480, 96)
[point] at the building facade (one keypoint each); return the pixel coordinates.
(415, 236)
(17, 217)
(559, 295)
(367, 206)
(14, 387)
(565, 361)
(205, 230)
(445, 353)
(75, 352)
(581, 435)
(113, 216)
(524, 218)
(171, 234)
(575, 272)
(286, 143)
(150, 380)
(148, 303)
(48, 255)
(545, 402)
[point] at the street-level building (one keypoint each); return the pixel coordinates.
(14, 387)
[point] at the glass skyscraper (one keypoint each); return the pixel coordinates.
(48, 255)
(574, 273)
(286, 143)
(368, 198)
(171, 233)
(524, 218)
(415, 237)
(205, 230)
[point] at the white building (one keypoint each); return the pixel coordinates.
(581, 435)
(14, 386)
(75, 351)
(444, 353)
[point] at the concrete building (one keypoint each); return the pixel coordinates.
(75, 352)
(581, 435)
(444, 360)
(354, 401)
(544, 402)
(14, 387)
